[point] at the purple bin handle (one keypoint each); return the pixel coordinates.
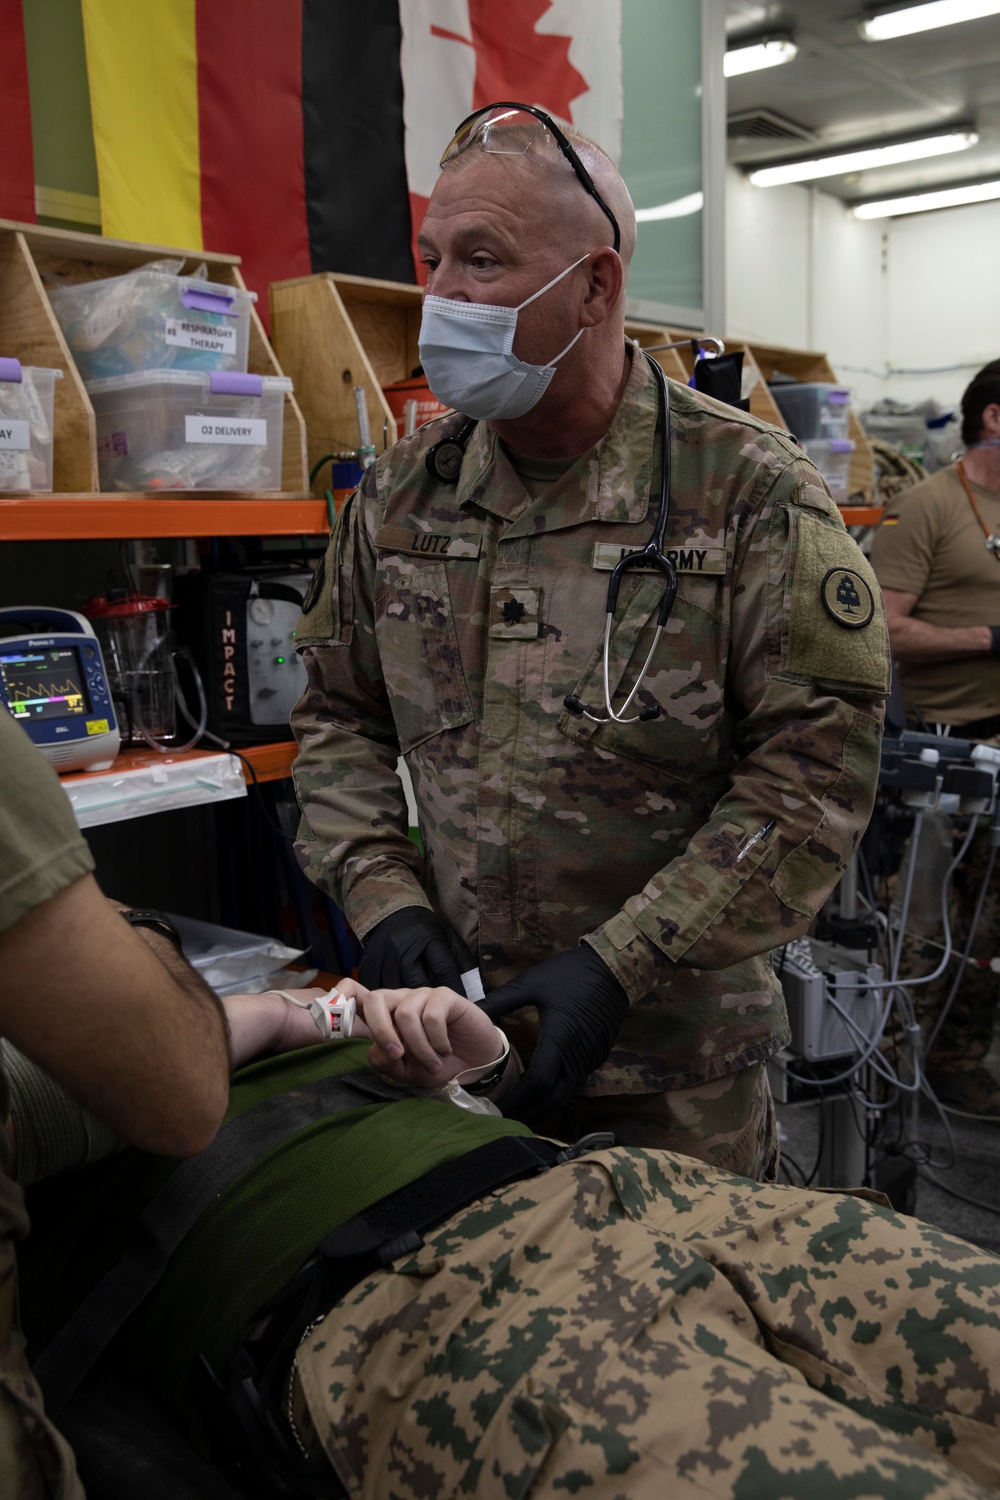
(838, 398)
(213, 302)
(10, 370)
(233, 383)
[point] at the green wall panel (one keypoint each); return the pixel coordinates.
(60, 103)
(661, 144)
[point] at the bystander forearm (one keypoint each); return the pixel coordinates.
(118, 1019)
(916, 640)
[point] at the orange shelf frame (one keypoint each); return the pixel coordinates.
(79, 517)
(270, 762)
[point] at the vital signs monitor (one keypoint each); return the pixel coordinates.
(53, 683)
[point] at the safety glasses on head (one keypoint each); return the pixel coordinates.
(510, 129)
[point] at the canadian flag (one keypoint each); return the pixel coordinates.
(458, 55)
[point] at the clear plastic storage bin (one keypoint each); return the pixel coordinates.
(26, 396)
(151, 320)
(179, 430)
(832, 457)
(814, 409)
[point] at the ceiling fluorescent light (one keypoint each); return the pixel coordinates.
(860, 161)
(767, 54)
(919, 203)
(679, 208)
(914, 18)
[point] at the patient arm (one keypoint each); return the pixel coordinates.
(420, 1038)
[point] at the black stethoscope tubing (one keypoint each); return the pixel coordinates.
(444, 461)
(651, 555)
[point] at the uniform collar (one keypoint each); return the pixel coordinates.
(610, 482)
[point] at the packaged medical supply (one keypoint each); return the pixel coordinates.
(153, 319)
(230, 961)
(26, 396)
(181, 430)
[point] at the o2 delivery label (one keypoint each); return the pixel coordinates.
(212, 338)
(226, 430)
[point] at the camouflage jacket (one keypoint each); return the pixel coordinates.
(450, 622)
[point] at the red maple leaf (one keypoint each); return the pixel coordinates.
(514, 61)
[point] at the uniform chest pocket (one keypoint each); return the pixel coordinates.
(686, 678)
(419, 650)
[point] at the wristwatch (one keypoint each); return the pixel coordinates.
(156, 921)
(485, 1079)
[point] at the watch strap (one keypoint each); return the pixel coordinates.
(156, 921)
(484, 1079)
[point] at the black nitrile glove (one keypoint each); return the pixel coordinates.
(411, 948)
(580, 1009)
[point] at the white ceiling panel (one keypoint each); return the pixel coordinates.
(847, 90)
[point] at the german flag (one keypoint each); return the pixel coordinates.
(272, 129)
(17, 167)
(275, 129)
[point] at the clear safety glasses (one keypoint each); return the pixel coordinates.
(510, 129)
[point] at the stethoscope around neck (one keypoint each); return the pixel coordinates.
(650, 556)
(444, 461)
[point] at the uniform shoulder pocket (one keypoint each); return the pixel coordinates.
(327, 610)
(834, 622)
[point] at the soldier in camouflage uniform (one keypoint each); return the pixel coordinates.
(450, 622)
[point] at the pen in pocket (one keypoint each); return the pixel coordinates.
(755, 838)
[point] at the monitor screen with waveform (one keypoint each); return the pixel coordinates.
(44, 684)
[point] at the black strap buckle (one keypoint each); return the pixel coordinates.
(598, 1140)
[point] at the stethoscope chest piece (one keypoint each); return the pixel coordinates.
(444, 460)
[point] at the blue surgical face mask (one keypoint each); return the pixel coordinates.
(466, 349)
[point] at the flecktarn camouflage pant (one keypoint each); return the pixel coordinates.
(637, 1325)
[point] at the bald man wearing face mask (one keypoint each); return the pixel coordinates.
(619, 882)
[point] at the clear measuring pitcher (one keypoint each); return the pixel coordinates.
(134, 632)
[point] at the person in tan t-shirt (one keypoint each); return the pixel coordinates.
(939, 569)
(937, 556)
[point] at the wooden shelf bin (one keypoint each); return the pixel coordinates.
(29, 331)
(334, 332)
(762, 403)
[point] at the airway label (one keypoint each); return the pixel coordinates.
(15, 435)
(208, 336)
(226, 430)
